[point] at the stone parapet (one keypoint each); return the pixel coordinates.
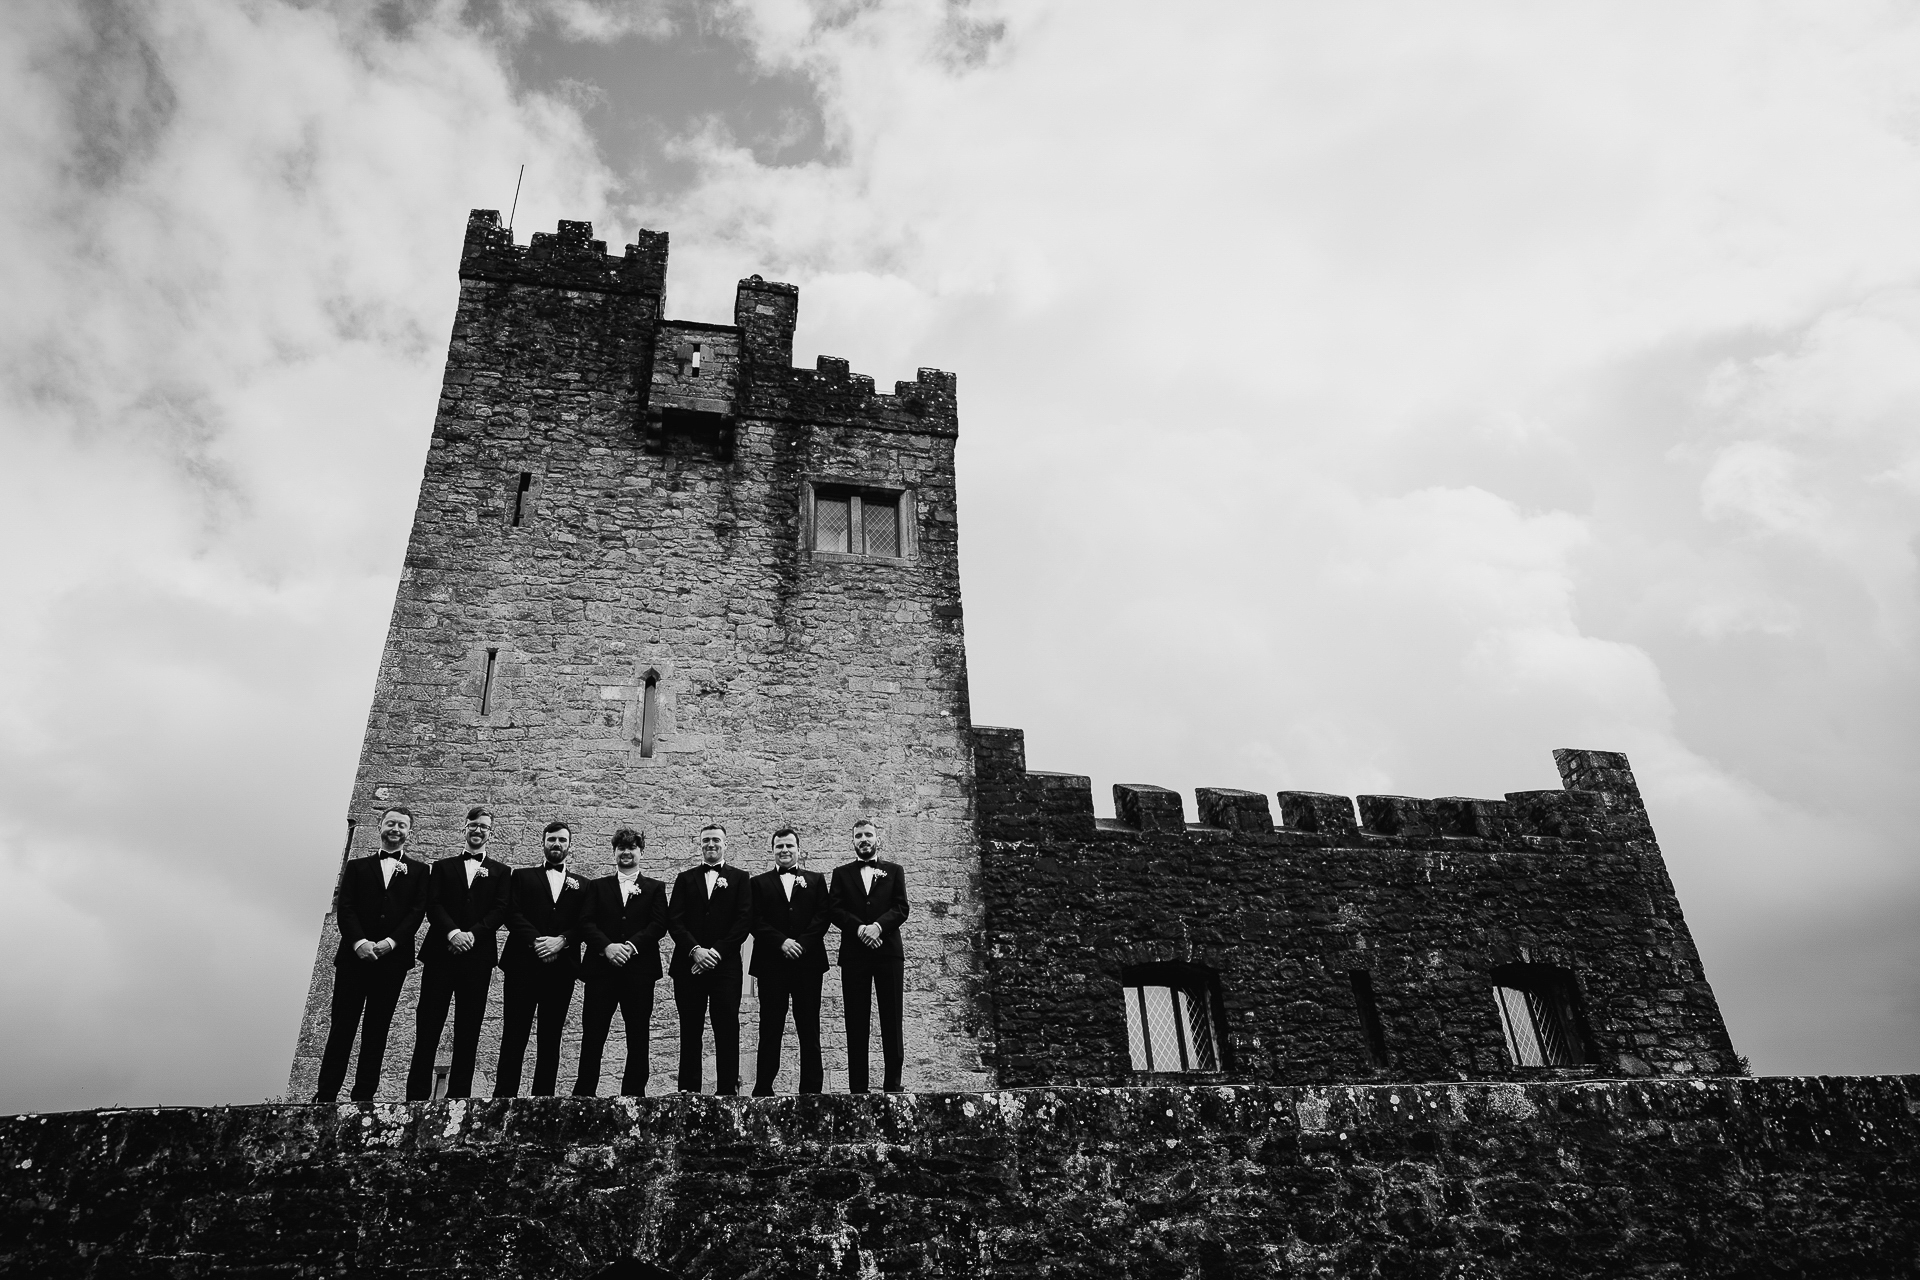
(1696, 1178)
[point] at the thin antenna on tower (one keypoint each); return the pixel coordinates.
(516, 199)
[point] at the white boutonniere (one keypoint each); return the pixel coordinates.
(572, 883)
(480, 874)
(399, 867)
(879, 873)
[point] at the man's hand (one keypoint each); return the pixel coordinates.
(704, 958)
(791, 949)
(618, 953)
(383, 946)
(364, 949)
(460, 940)
(547, 948)
(869, 934)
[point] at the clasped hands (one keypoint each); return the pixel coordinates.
(618, 953)
(704, 959)
(369, 950)
(549, 947)
(869, 934)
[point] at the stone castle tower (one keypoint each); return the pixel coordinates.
(659, 577)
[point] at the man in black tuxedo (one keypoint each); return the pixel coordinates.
(541, 961)
(466, 905)
(624, 920)
(789, 924)
(708, 918)
(870, 904)
(382, 900)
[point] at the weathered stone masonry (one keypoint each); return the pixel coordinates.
(662, 533)
(1684, 1179)
(1428, 897)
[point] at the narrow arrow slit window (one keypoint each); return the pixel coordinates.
(649, 712)
(486, 682)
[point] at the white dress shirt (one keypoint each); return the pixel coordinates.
(556, 880)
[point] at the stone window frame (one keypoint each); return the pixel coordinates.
(908, 506)
(1192, 987)
(1542, 1013)
(503, 697)
(524, 502)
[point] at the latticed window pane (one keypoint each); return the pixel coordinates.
(1165, 1041)
(881, 517)
(1199, 1027)
(1539, 1022)
(1170, 1029)
(1516, 1018)
(832, 524)
(1137, 1031)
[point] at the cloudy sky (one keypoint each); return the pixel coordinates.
(1354, 398)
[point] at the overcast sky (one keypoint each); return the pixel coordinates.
(1359, 398)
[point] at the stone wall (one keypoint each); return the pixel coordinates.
(1669, 1178)
(1425, 896)
(664, 530)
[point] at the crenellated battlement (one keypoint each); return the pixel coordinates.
(1600, 801)
(1355, 937)
(568, 258)
(722, 374)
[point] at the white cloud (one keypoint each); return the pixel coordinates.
(219, 359)
(1365, 399)
(1353, 399)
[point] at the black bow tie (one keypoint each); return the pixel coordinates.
(393, 853)
(789, 871)
(476, 857)
(866, 862)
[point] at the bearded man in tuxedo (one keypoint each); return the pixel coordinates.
(466, 905)
(625, 918)
(382, 900)
(541, 963)
(789, 926)
(870, 904)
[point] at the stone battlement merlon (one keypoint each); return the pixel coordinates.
(1600, 801)
(765, 384)
(568, 258)
(765, 312)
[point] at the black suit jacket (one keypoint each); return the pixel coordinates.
(853, 906)
(719, 922)
(480, 910)
(774, 919)
(370, 909)
(641, 920)
(533, 913)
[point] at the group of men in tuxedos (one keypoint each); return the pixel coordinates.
(563, 930)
